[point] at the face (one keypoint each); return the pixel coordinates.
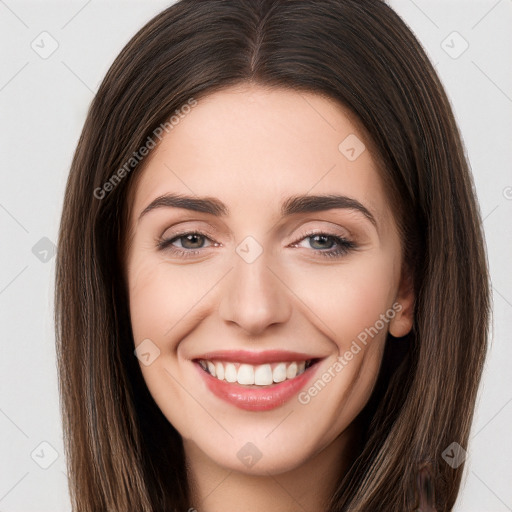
(260, 317)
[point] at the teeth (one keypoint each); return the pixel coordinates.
(245, 374)
(230, 372)
(261, 375)
(219, 370)
(291, 371)
(280, 372)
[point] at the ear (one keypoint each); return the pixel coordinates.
(401, 323)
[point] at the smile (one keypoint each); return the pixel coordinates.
(261, 375)
(255, 381)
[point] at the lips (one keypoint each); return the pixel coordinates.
(255, 381)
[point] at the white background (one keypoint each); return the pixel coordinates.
(43, 103)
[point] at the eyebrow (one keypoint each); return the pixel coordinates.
(291, 206)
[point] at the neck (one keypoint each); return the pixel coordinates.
(306, 487)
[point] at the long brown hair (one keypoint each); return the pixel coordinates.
(123, 454)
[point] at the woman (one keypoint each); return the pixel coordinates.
(212, 356)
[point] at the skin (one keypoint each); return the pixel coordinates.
(252, 147)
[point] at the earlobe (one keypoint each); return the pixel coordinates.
(401, 323)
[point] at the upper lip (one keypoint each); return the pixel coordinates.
(254, 357)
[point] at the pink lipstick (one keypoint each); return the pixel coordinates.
(255, 381)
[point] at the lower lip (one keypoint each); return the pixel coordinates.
(254, 399)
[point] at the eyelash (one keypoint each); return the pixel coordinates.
(344, 245)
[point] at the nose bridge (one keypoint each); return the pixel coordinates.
(253, 297)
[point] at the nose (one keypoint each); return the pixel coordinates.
(253, 297)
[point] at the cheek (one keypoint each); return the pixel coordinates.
(348, 298)
(354, 305)
(149, 300)
(160, 296)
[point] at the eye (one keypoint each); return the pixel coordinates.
(326, 245)
(191, 243)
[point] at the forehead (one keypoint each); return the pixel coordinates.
(252, 147)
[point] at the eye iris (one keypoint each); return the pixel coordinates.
(194, 237)
(323, 238)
